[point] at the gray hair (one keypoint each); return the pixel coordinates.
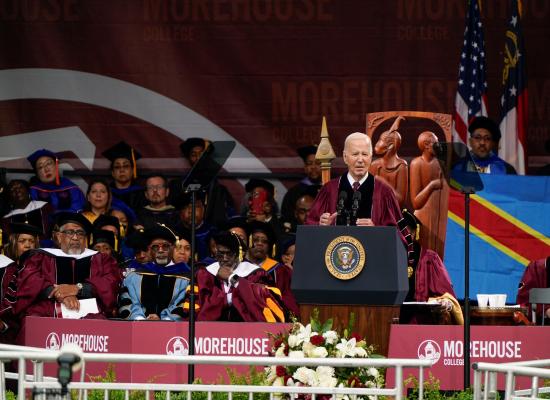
(358, 135)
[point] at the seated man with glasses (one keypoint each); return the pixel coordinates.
(156, 290)
(51, 277)
(158, 211)
(484, 138)
(235, 290)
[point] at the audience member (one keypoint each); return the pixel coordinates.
(484, 138)
(288, 249)
(217, 200)
(23, 237)
(261, 248)
(47, 185)
(25, 210)
(182, 251)
(235, 290)
(123, 159)
(203, 230)
(428, 277)
(98, 199)
(156, 290)
(312, 180)
(261, 205)
(301, 210)
(157, 211)
(104, 241)
(51, 277)
(137, 241)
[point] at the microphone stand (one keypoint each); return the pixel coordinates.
(193, 188)
(355, 205)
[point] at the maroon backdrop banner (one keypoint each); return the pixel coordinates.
(78, 76)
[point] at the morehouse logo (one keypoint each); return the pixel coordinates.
(177, 346)
(429, 350)
(53, 342)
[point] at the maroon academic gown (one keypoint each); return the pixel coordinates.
(250, 299)
(432, 278)
(41, 270)
(385, 209)
(282, 275)
(535, 276)
(8, 272)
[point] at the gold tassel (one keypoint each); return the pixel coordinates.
(274, 251)
(116, 244)
(250, 242)
(240, 255)
(134, 163)
(57, 180)
(122, 231)
(172, 232)
(417, 234)
(1, 237)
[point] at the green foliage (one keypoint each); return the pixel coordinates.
(432, 390)
(10, 395)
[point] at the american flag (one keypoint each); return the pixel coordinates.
(513, 124)
(471, 98)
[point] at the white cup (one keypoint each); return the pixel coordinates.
(501, 300)
(497, 300)
(482, 300)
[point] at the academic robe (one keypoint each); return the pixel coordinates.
(8, 287)
(146, 291)
(428, 278)
(253, 299)
(384, 210)
(292, 195)
(133, 196)
(535, 276)
(43, 268)
(282, 276)
(431, 278)
(66, 196)
(36, 213)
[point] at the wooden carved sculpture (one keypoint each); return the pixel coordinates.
(390, 167)
(429, 193)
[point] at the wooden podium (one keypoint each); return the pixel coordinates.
(328, 275)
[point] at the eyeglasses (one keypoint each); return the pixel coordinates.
(45, 165)
(152, 188)
(157, 247)
(123, 166)
(480, 138)
(71, 232)
(222, 254)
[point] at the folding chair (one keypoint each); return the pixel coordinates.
(538, 296)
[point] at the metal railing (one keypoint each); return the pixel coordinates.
(41, 356)
(486, 379)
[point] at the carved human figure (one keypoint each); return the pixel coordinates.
(429, 194)
(390, 167)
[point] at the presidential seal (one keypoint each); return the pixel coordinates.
(345, 257)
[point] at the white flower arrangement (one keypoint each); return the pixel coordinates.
(317, 340)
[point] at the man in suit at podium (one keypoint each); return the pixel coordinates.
(357, 197)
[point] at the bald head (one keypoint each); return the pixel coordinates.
(426, 140)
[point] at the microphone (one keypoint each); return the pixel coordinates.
(342, 197)
(356, 200)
